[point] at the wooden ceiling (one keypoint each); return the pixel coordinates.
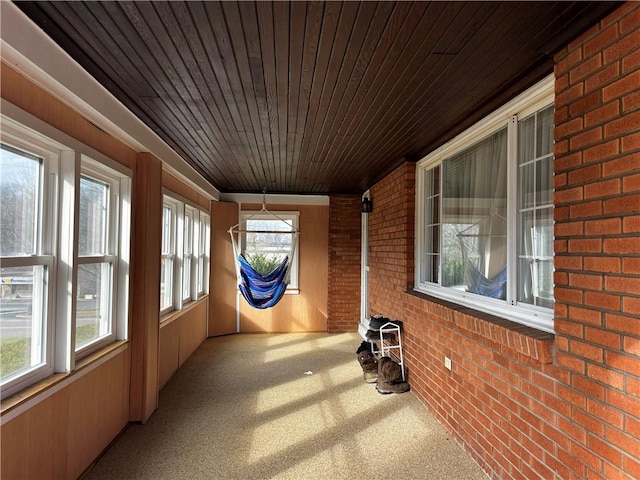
(311, 97)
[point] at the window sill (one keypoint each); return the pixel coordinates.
(527, 341)
(39, 391)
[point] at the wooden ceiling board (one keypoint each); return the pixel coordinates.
(400, 74)
(451, 82)
(395, 42)
(137, 22)
(346, 44)
(362, 46)
(311, 97)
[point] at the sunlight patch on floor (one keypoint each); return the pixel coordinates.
(280, 395)
(272, 438)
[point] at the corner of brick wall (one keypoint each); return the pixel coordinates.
(343, 309)
(597, 243)
(391, 232)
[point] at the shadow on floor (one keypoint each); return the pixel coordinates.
(258, 406)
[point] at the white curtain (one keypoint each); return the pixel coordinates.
(474, 213)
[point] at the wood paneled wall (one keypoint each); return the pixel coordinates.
(32, 99)
(63, 434)
(303, 312)
(180, 337)
(175, 185)
(146, 287)
(222, 319)
(306, 311)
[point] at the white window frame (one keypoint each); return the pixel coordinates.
(63, 164)
(533, 100)
(116, 253)
(190, 229)
(172, 254)
(15, 137)
(198, 282)
(203, 258)
(364, 263)
(293, 286)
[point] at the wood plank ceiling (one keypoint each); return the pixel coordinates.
(311, 97)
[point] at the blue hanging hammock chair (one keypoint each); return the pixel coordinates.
(494, 287)
(262, 290)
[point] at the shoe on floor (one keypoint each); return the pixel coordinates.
(386, 388)
(369, 365)
(390, 377)
(389, 371)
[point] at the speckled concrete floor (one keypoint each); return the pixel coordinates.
(285, 406)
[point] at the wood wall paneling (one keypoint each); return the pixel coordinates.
(169, 351)
(176, 185)
(146, 287)
(22, 93)
(306, 311)
(63, 434)
(193, 330)
(180, 336)
(223, 283)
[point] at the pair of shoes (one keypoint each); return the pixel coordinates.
(368, 362)
(389, 378)
(376, 322)
(375, 335)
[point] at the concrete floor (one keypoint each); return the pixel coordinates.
(285, 406)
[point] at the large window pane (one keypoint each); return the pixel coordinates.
(188, 253)
(474, 225)
(167, 261)
(19, 199)
(166, 283)
(93, 305)
(544, 132)
(22, 325)
(95, 280)
(431, 266)
(535, 210)
(93, 217)
(485, 223)
(167, 242)
(264, 248)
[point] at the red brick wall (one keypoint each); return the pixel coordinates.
(522, 412)
(343, 310)
(597, 181)
(391, 241)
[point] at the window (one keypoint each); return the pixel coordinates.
(190, 244)
(185, 255)
(485, 214)
(535, 209)
(26, 259)
(169, 214)
(265, 247)
(103, 198)
(64, 255)
(203, 254)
